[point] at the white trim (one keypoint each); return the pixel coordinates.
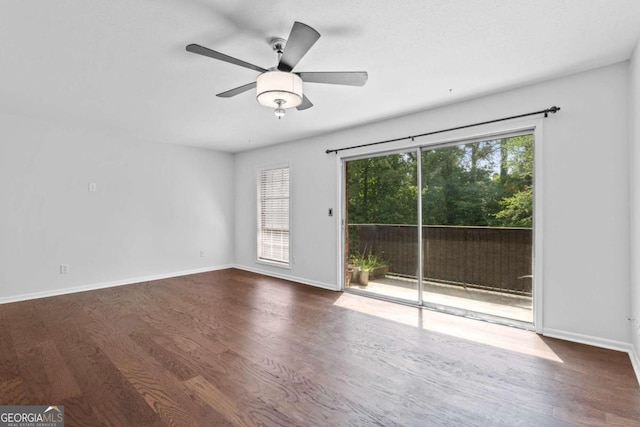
(419, 232)
(102, 285)
(288, 277)
(286, 266)
(342, 222)
(587, 339)
(598, 342)
(538, 220)
(635, 362)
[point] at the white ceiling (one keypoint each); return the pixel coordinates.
(121, 65)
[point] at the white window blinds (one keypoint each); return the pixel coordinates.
(273, 215)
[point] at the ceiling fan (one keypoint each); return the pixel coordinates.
(280, 87)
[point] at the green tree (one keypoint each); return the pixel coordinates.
(516, 204)
(382, 190)
(457, 184)
(517, 209)
(486, 183)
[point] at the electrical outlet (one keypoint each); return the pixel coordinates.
(93, 187)
(64, 268)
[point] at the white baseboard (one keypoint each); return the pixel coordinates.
(598, 342)
(288, 277)
(587, 339)
(94, 286)
(635, 362)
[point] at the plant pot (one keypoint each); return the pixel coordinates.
(354, 274)
(364, 277)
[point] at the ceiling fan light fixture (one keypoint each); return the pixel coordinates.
(278, 89)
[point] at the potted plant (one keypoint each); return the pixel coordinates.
(354, 268)
(367, 266)
(364, 276)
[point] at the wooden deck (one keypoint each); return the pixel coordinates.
(236, 348)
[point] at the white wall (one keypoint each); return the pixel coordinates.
(634, 163)
(586, 204)
(156, 207)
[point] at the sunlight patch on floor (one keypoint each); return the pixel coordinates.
(503, 337)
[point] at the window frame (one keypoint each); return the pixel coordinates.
(259, 259)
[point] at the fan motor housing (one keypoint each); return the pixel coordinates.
(278, 45)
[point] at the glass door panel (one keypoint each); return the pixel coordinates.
(477, 214)
(381, 233)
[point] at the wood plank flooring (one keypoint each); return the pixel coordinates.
(232, 348)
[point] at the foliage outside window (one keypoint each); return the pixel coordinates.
(487, 183)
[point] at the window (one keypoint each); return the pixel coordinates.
(273, 215)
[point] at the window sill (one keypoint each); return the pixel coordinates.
(274, 264)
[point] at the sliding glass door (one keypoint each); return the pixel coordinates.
(381, 226)
(448, 226)
(477, 201)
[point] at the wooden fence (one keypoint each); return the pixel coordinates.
(487, 257)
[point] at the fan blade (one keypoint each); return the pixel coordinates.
(350, 78)
(201, 50)
(300, 40)
(237, 91)
(305, 104)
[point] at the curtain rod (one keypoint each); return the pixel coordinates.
(546, 112)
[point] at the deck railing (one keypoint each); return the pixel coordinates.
(484, 257)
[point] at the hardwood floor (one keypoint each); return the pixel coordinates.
(235, 348)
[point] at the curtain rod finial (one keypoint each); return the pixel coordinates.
(553, 110)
